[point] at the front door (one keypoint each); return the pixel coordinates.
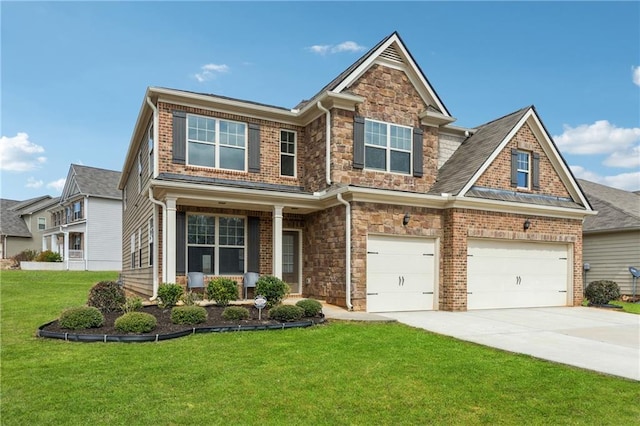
(291, 260)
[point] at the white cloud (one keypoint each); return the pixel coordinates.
(57, 185)
(209, 71)
(19, 154)
(600, 137)
(34, 183)
(636, 75)
(628, 159)
(345, 46)
(627, 181)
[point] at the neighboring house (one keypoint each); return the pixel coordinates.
(365, 196)
(86, 224)
(22, 224)
(611, 240)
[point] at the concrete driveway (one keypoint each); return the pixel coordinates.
(602, 340)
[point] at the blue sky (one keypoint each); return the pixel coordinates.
(74, 73)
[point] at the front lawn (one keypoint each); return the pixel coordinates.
(339, 373)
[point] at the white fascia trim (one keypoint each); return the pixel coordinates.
(518, 208)
(412, 72)
(556, 160)
(387, 196)
(135, 138)
(495, 153)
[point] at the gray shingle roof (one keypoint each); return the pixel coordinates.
(617, 209)
(11, 224)
(473, 153)
(517, 197)
(97, 182)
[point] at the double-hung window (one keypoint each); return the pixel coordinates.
(216, 244)
(387, 147)
(150, 144)
(77, 210)
(150, 240)
(42, 223)
(216, 143)
(523, 169)
(287, 153)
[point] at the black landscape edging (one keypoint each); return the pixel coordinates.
(131, 338)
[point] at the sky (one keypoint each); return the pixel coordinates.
(74, 74)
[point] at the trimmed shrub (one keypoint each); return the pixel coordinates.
(188, 315)
(190, 298)
(311, 307)
(286, 313)
(107, 296)
(273, 288)
(222, 290)
(136, 322)
(49, 256)
(235, 313)
(131, 304)
(81, 317)
(169, 294)
(602, 292)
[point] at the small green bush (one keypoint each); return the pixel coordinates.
(272, 288)
(107, 296)
(286, 313)
(311, 307)
(131, 304)
(81, 317)
(136, 322)
(49, 256)
(602, 292)
(222, 290)
(188, 315)
(25, 256)
(169, 294)
(235, 313)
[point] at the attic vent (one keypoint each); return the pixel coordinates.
(391, 54)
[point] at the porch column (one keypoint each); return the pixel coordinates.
(170, 240)
(66, 250)
(277, 241)
(44, 243)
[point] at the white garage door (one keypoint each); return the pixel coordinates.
(516, 274)
(400, 273)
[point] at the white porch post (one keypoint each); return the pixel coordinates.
(170, 240)
(44, 243)
(277, 241)
(66, 250)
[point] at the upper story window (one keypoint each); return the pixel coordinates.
(67, 211)
(42, 223)
(387, 147)
(77, 210)
(216, 143)
(287, 153)
(523, 169)
(150, 144)
(140, 171)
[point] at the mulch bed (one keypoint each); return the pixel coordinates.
(165, 326)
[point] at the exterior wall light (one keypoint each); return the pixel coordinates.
(527, 224)
(405, 219)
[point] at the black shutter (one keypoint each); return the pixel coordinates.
(179, 137)
(358, 142)
(417, 152)
(254, 148)
(253, 248)
(514, 167)
(535, 171)
(181, 242)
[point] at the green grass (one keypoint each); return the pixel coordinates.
(632, 308)
(339, 373)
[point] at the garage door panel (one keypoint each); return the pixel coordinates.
(516, 274)
(400, 273)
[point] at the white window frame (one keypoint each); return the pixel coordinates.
(124, 198)
(287, 154)
(133, 251)
(140, 248)
(77, 215)
(140, 171)
(150, 144)
(526, 171)
(42, 221)
(388, 148)
(216, 244)
(150, 241)
(217, 144)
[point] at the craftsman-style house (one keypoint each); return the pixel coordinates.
(366, 195)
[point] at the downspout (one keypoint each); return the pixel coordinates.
(155, 246)
(328, 133)
(347, 251)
